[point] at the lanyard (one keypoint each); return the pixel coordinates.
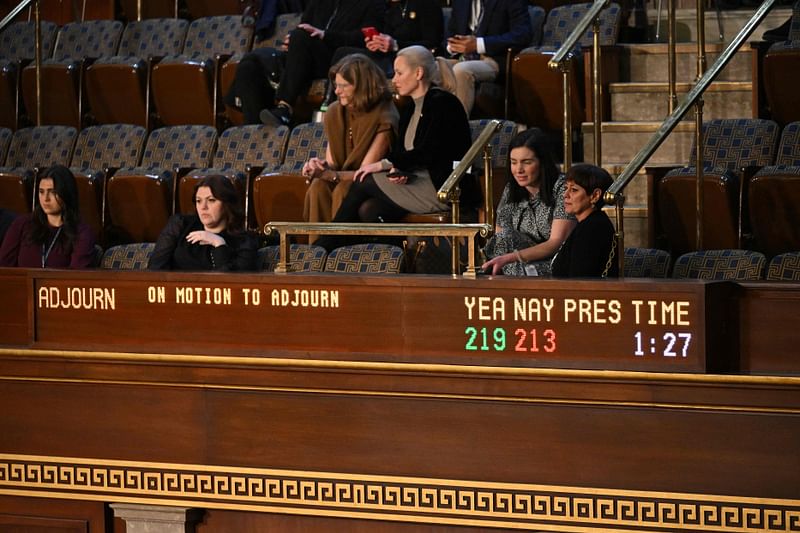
(46, 254)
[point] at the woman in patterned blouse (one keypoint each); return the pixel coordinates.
(531, 221)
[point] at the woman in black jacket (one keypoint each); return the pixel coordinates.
(213, 239)
(434, 133)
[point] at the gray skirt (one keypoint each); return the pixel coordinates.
(417, 195)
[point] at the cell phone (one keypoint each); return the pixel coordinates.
(369, 32)
(398, 173)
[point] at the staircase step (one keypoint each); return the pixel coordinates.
(634, 225)
(623, 140)
(730, 20)
(636, 191)
(650, 62)
(649, 101)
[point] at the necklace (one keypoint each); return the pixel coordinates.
(46, 254)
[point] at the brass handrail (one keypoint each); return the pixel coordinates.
(613, 195)
(455, 231)
(14, 12)
(448, 192)
(560, 60)
(675, 117)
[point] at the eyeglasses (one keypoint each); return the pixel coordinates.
(342, 86)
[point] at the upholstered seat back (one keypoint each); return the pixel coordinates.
(134, 256)
(41, 146)
(302, 258)
(210, 36)
(735, 265)
(109, 146)
(735, 143)
(365, 258)
(87, 39)
(561, 20)
(306, 141)
(17, 41)
(646, 263)
(253, 145)
(153, 38)
(5, 141)
(784, 267)
(180, 147)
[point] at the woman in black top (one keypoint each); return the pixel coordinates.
(213, 239)
(590, 251)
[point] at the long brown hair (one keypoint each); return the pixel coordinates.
(370, 85)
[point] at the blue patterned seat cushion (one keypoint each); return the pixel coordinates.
(365, 258)
(128, 256)
(306, 141)
(561, 20)
(251, 145)
(180, 147)
(647, 263)
(109, 146)
(784, 267)
(302, 258)
(735, 265)
(499, 142)
(41, 146)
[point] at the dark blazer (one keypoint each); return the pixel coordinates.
(349, 18)
(415, 22)
(586, 251)
(443, 136)
(505, 24)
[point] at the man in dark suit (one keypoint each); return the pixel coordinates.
(479, 34)
(325, 26)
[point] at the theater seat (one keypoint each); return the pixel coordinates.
(133, 256)
(185, 87)
(646, 263)
(730, 147)
(242, 152)
(117, 86)
(278, 193)
(32, 149)
(99, 151)
(365, 259)
(17, 49)
(781, 71)
(141, 199)
(537, 89)
(784, 267)
(774, 194)
(302, 258)
(77, 45)
(720, 265)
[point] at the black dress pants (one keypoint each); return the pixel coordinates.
(308, 58)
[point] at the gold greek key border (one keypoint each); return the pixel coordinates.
(456, 502)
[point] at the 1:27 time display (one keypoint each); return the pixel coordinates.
(533, 340)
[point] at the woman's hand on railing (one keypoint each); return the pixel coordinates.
(494, 266)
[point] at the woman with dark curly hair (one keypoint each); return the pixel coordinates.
(52, 235)
(213, 239)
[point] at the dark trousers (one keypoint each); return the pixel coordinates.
(252, 82)
(365, 202)
(308, 59)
